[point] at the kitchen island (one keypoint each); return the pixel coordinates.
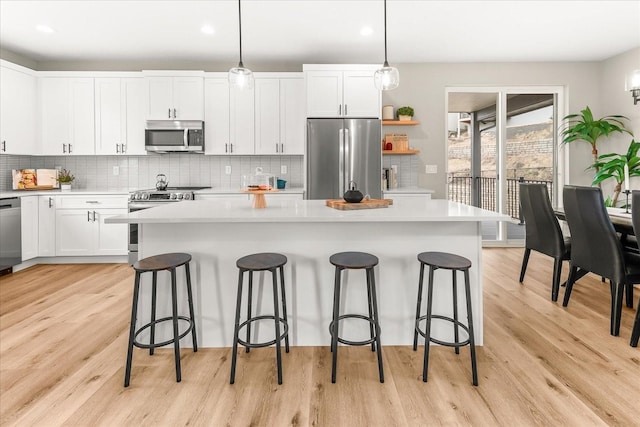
(216, 233)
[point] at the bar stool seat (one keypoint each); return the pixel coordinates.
(154, 264)
(355, 261)
(455, 263)
(261, 262)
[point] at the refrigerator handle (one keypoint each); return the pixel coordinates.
(341, 161)
(348, 168)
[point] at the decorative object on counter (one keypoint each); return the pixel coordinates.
(632, 84)
(258, 181)
(161, 182)
(405, 113)
(387, 77)
(240, 77)
(34, 179)
(281, 184)
(353, 195)
(341, 205)
(259, 201)
(387, 112)
(65, 178)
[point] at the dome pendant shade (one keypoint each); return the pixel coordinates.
(386, 78)
(240, 77)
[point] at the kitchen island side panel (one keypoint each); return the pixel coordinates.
(309, 276)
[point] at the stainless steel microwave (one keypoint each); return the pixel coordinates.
(165, 136)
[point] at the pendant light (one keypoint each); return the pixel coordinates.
(386, 78)
(240, 77)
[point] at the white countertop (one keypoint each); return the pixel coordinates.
(305, 211)
(80, 192)
(299, 190)
(409, 190)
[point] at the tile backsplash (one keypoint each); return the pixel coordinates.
(408, 167)
(139, 172)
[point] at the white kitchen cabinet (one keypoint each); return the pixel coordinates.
(46, 226)
(279, 116)
(216, 115)
(80, 227)
(29, 226)
(18, 101)
(342, 91)
(67, 115)
(241, 121)
(175, 98)
(119, 104)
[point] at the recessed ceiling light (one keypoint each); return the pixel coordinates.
(44, 28)
(366, 31)
(207, 29)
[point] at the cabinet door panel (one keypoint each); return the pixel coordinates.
(18, 100)
(56, 114)
(241, 117)
(324, 93)
(75, 232)
(47, 226)
(159, 98)
(267, 116)
(216, 116)
(360, 96)
(188, 98)
(108, 116)
(82, 116)
(29, 226)
(133, 127)
(292, 117)
(111, 239)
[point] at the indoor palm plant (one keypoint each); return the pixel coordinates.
(583, 127)
(612, 166)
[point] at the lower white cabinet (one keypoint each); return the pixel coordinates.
(29, 225)
(46, 226)
(80, 227)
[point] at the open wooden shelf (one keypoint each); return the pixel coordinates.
(400, 122)
(400, 152)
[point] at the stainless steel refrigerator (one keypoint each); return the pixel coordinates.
(340, 151)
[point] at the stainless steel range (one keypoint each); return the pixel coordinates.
(145, 199)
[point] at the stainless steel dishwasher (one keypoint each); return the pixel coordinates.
(10, 234)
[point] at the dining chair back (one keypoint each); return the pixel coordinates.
(635, 217)
(543, 233)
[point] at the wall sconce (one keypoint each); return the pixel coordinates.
(632, 84)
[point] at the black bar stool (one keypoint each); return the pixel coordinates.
(154, 264)
(261, 262)
(455, 263)
(355, 261)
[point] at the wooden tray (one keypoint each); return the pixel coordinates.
(38, 188)
(365, 204)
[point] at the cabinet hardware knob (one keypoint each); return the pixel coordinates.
(50, 202)
(64, 148)
(88, 216)
(174, 113)
(117, 148)
(169, 113)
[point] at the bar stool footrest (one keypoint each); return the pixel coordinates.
(440, 342)
(169, 341)
(356, 316)
(284, 333)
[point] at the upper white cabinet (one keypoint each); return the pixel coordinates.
(119, 104)
(175, 97)
(342, 91)
(229, 117)
(18, 101)
(67, 115)
(279, 115)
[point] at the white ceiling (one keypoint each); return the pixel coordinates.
(321, 31)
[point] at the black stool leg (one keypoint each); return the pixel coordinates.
(176, 335)
(236, 329)
(334, 332)
(371, 284)
(472, 343)
(284, 309)
(419, 305)
(132, 329)
(247, 349)
(427, 329)
(369, 302)
(455, 309)
(191, 313)
(635, 333)
(276, 322)
(153, 313)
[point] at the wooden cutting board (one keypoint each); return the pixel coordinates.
(365, 204)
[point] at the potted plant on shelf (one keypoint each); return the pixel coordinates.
(612, 166)
(405, 113)
(65, 178)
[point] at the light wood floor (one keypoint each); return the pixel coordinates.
(63, 332)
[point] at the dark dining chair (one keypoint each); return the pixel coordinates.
(597, 249)
(635, 215)
(543, 233)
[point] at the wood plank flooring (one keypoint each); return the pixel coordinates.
(63, 333)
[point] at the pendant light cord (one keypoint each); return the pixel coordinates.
(240, 65)
(386, 63)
